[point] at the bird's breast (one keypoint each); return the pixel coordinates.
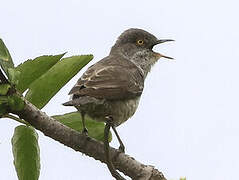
(120, 110)
(123, 110)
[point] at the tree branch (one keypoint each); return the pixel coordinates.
(79, 142)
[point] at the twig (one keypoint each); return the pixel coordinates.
(16, 119)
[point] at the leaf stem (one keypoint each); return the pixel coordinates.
(16, 119)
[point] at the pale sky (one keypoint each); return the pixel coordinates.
(187, 123)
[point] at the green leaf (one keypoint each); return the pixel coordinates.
(5, 58)
(3, 107)
(183, 178)
(74, 121)
(13, 75)
(44, 88)
(33, 69)
(16, 103)
(3, 99)
(26, 153)
(4, 88)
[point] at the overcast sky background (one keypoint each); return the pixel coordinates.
(187, 121)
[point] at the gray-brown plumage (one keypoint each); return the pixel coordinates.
(112, 87)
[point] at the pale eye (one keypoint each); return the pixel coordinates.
(140, 42)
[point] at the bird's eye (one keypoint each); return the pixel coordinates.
(140, 42)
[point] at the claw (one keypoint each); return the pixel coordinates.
(85, 131)
(122, 148)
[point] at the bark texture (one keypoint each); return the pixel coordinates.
(89, 146)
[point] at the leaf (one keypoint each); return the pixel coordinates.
(183, 178)
(13, 76)
(44, 88)
(4, 88)
(3, 107)
(3, 99)
(5, 58)
(33, 69)
(26, 153)
(74, 121)
(16, 103)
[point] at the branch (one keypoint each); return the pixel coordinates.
(89, 146)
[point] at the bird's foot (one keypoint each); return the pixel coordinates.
(109, 119)
(85, 131)
(122, 148)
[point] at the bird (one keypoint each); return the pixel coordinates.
(110, 90)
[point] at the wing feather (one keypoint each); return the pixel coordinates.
(110, 82)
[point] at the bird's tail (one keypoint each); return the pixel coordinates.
(83, 101)
(69, 103)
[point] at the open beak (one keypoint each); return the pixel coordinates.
(160, 41)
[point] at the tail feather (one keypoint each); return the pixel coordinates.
(69, 103)
(83, 101)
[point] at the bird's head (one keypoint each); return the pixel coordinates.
(137, 46)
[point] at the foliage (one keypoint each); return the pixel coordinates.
(26, 153)
(5, 58)
(47, 85)
(4, 89)
(33, 69)
(42, 78)
(74, 121)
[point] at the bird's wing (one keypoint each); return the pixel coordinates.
(110, 82)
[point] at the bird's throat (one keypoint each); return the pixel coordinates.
(144, 60)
